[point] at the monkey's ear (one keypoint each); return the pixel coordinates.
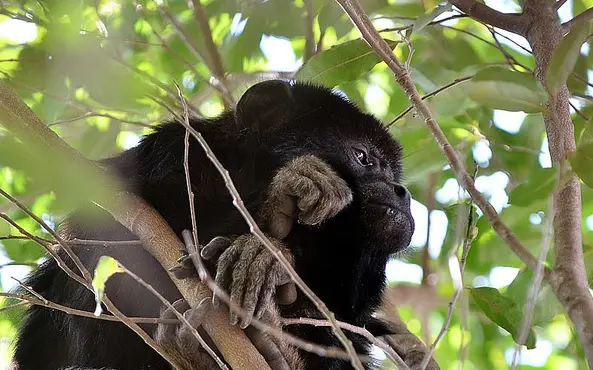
(265, 106)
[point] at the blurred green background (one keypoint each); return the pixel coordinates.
(101, 73)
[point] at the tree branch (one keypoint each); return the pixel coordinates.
(538, 24)
(141, 219)
(215, 60)
(583, 17)
(378, 44)
(569, 279)
(509, 22)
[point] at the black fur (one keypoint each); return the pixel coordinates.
(343, 260)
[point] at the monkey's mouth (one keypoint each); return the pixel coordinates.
(394, 221)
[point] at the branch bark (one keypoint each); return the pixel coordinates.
(539, 25)
(483, 13)
(141, 219)
(569, 278)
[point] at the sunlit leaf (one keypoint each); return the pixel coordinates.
(546, 304)
(23, 250)
(345, 62)
(106, 267)
(500, 88)
(429, 16)
(502, 310)
(565, 56)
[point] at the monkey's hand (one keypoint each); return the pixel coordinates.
(409, 347)
(307, 189)
(250, 274)
(181, 343)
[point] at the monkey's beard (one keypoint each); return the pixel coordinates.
(389, 226)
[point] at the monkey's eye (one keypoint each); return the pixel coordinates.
(362, 157)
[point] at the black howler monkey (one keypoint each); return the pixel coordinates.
(284, 142)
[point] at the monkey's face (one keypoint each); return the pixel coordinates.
(370, 163)
(292, 120)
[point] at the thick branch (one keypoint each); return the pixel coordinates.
(509, 22)
(569, 278)
(370, 34)
(142, 220)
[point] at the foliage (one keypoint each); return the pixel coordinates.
(101, 73)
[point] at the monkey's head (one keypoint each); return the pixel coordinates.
(295, 119)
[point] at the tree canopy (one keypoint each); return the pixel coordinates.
(102, 73)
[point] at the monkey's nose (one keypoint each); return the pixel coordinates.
(403, 194)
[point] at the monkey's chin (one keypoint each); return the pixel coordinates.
(392, 225)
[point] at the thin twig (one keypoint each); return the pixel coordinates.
(26, 300)
(86, 276)
(255, 230)
(583, 17)
(362, 22)
(220, 86)
(180, 317)
(204, 275)
(429, 95)
(390, 352)
(531, 299)
(46, 247)
(94, 114)
(190, 192)
(457, 268)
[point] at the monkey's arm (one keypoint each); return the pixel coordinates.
(307, 189)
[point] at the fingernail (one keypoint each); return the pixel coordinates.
(214, 301)
(204, 301)
(244, 324)
(205, 253)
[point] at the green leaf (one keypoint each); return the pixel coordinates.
(106, 267)
(23, 250)
(582, 163)
(500, 88)
(341, 63)
(501, 310)
(539, 185)
(546, 304)
(429, 16)
(565, 56)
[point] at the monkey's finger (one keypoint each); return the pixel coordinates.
(215, 247)
(224, 273)
(307, 191)
(257, 278)
(284, 211)
(265, 298)
(335, 196)
(268, 289)
(240, 276)
(166, 332)
(195, 317)
(286, 294)
(267, 348)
